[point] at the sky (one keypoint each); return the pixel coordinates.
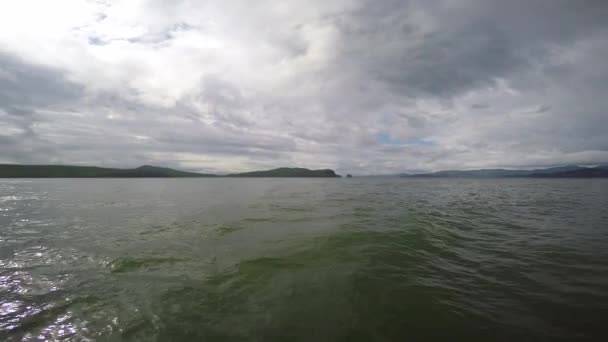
(358, 86)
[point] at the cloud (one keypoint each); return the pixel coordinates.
(357, 85)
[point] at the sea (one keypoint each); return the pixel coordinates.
(361, 259)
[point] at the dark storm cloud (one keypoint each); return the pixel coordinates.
(24, 85)
(443, 48)
(25, 89)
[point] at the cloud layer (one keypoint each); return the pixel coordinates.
(360, 86)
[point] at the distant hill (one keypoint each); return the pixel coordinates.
(570, 171)
(591, 172)
(490, 173)
(68, 171)
(287, 172)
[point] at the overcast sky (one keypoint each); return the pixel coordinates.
(359, 86)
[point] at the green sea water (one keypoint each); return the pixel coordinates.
(304, 259)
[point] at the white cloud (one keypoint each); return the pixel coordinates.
(235, 85)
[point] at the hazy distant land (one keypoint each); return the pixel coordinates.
(571, 171)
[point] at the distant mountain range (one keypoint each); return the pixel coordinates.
(69, 171)
(147, 171)
(571, 171)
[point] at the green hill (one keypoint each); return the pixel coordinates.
(287, 172)
(68, 171)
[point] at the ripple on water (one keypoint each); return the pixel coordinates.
(129, 264)
(340, 261)
(36, 294)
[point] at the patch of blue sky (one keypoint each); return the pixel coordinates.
(385, 138)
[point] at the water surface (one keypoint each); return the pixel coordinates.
(303, 259)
